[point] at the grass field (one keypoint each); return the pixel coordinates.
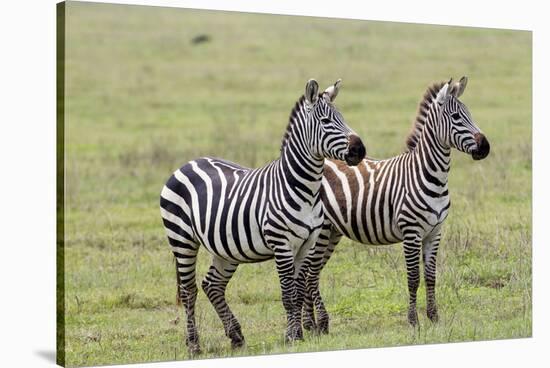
(142, 99)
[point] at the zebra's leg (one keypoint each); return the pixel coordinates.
(302, 262)
(429, 251)
(322, 314)
(308, 316)
(284, 260)
(300, 285)
(316, 255)
(412, 244)
(214, 285)
(186, 256)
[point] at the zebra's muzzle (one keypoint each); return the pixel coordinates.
(483, 147)
(356, 151)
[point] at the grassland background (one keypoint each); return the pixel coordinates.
(142, 99)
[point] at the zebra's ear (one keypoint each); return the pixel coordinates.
(443, 93)
(331, 92)
(312, 91)
(461, 86)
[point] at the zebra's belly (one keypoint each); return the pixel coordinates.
(435, 220)
(367, 228)
(389, 232)
(426, 220)
(383, 235)
(241, 247)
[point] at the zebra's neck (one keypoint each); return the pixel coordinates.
(300, 168)
(433, 155)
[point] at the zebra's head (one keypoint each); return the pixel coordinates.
(457, 127)
(331, 138)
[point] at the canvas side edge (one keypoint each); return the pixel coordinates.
(60, 184)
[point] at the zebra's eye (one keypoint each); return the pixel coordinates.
(455, 116)
(325, 120)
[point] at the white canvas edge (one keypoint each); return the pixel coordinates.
(27, 132)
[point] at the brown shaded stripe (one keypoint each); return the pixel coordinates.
(337, 188)
(364, 203)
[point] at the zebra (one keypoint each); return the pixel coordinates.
(243, 215)
(401, 199)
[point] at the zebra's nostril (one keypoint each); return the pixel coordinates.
(356, 147)
(362, 151)
(356, 151)
(483, 147)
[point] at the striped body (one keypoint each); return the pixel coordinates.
(372, 202)
(230, 209)
(241, 215)
(401, 199)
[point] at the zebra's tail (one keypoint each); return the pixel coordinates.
(178, 291)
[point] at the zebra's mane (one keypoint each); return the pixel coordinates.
(422, 115)
(291, 120)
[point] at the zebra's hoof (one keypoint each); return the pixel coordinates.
(322, 327)
(309, 325)
(194, 348)
(433, 315)
(237, 343)
(413, 318)
(322, 330)
(290, 338)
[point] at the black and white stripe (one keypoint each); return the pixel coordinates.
(243, 215)
(401, 199)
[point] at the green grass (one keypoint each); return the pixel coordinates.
(142, 100)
